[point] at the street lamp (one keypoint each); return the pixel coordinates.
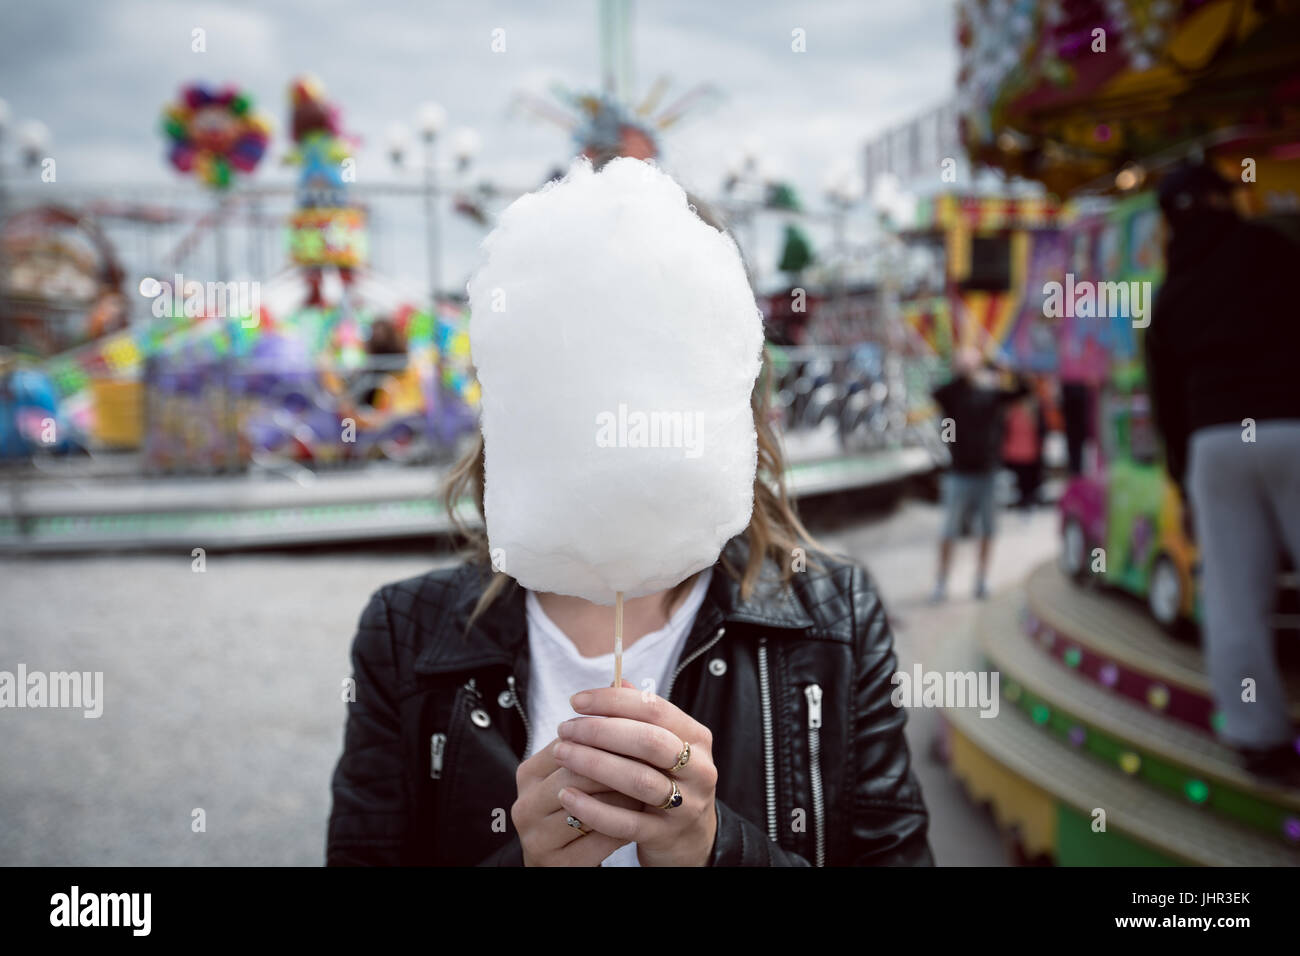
(33, 140)
(843, 191)
(842, 186)
(465, 145)
(745, 183)
(399, 141)
(430, 118)
(751, 149)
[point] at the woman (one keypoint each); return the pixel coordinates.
(1022, 448)
(757, 730)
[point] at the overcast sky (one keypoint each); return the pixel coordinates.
(98, 73)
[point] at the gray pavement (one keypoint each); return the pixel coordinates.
(222, 692)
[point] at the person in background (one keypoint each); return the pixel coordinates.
(973, 405)
(1076, 411)
(1022, 449)
(1221, 356)
(385, 344)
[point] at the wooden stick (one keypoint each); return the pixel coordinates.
(618, 638)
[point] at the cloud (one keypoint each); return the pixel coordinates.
(99, 73)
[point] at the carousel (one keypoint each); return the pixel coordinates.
(284, 409)
(1104, 749)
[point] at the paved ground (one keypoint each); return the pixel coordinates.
(900, 553)
(222, 692)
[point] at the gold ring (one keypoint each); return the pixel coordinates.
(574, 822)
(682, 758)
(674, 799)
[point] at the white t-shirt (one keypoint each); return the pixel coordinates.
(557, 671)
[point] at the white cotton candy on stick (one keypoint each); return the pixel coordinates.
(616, 341)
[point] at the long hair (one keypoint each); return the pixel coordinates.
(774, 532)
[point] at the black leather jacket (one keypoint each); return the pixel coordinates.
(436, 731)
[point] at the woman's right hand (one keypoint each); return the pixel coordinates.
(540, 819)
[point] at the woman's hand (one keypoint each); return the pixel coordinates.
(628, 745)
(546, 839)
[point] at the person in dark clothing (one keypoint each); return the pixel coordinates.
(973, 404)
(772, 700)
(1076, 408)
(1221, 357)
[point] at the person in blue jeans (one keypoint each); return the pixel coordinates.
(974, 407)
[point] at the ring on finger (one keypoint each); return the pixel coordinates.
(682, 759)
(674, 799)
(577, 824)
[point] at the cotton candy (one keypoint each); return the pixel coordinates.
(617, 342)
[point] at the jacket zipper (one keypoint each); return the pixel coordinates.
(438, 742)
(667, 695)
(769, 759)
(437, 752)
(528, 728)
(814, 694)
(472, 686)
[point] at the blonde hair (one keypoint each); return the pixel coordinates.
(774, 531)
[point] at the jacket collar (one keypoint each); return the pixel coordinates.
(499, 633)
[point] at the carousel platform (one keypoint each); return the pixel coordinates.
(66, 513)
(1102, 711)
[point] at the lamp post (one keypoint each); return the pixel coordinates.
(842, 192)
(745, 182)
(429, 122)
(430, 119)
(33, 141)
(465, 145)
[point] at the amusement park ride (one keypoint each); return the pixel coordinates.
(203, 422)
(1106, 751)
(293, 422)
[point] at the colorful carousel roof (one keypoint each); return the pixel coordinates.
(1070, 92)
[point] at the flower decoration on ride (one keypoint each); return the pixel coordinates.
(215, 134)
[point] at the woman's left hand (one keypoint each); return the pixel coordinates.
(629, 743)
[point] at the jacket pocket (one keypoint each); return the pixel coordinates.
(444, 747)
(475, 787)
